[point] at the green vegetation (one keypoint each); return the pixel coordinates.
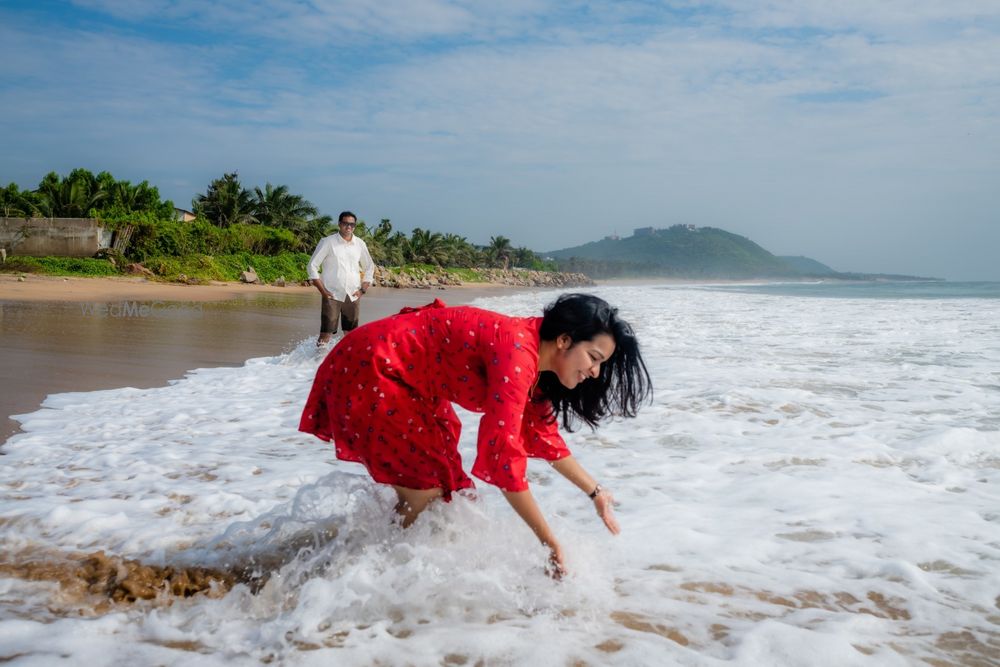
(171, 238)
(467, 275)
(686, 251)
(270, 228)
(60, 266)
(681, 250)
(197, 267)
(425, 247)
(79, 195)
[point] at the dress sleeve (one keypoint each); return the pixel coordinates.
(511, 365)
(541, 433)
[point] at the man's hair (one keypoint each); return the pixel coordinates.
(346, 214)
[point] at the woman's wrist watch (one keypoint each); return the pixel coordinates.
(596, 492)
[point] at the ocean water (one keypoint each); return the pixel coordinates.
(835, 289)
(817, 482)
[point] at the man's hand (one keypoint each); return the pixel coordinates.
(364, 288)
(324, 292)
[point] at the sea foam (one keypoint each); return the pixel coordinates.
(815, 482)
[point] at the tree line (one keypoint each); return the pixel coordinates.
(81, 194)
(234, 218)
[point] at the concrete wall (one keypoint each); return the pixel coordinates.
(61, 237)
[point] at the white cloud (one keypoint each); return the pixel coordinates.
(699, 121)
(332, 22)
(886, 16)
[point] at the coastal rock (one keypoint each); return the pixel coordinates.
(438, 278)
(249, 276)
(280, 282)
(138, 269)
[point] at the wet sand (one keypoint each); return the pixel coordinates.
(85, 334)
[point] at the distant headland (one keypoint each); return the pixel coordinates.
(687, 251)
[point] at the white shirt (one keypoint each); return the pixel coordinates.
(340, 261)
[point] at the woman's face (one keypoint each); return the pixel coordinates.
(575, 363)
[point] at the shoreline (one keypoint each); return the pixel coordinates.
(89, 334)
(35, 287)
(40, 287)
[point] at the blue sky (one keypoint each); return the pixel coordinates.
(864, 135)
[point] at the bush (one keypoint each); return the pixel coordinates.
(60, 266)
(199, 266)
(229, 267)
(466, 275)
(258, 240)
(418, 270)
(159, 238)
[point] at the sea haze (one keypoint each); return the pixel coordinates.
(838, 289)
(816, 482)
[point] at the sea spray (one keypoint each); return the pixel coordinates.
(814, 482)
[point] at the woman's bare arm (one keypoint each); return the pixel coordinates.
(526, 507)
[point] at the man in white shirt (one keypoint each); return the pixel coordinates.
(340, 256)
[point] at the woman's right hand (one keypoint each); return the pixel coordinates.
(526, 507)
(557, 565)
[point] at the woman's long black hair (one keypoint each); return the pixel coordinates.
(623, 384)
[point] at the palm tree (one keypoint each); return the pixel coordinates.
(428, 247)
(379, 241)
(125, 195)
(312, 231)
(461, 252)
(16, 203)
(524, 257)
(226, 202)
(277, 207)
(70, 197)
(499, 251)
(397, 250)
(132, 198)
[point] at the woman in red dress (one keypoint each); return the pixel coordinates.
(383, 395)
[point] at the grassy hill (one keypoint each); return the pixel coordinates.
(681, 250)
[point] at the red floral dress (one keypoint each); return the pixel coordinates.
(383, 395)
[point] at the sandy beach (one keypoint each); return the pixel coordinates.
(86, 334)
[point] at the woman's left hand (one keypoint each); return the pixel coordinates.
(604, 504)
